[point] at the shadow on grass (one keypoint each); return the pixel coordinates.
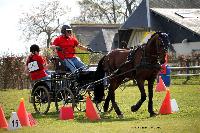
(81, 118)
(48, 115)
(109, 118)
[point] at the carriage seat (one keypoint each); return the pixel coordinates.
(59, 65)
(87, 74)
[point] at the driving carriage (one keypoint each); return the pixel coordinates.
(64, 88)
(140, 64)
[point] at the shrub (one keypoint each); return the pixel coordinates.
(12, 74)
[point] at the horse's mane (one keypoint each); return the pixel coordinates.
(152, 36)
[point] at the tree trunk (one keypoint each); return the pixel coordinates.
(48, 40)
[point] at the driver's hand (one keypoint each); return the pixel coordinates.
(90, 50)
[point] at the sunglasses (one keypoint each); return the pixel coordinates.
(69, 31)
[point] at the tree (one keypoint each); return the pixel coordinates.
(130, 6)
(106, 11)
(42, 21)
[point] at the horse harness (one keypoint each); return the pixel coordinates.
(143, 64)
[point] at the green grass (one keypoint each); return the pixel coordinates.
(185, 121)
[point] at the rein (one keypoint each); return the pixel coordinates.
(114, 75)
(111, 76)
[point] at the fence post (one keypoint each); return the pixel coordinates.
(187, 70)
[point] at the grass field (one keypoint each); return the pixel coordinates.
(187, 120)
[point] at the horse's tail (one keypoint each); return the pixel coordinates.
(99, 87)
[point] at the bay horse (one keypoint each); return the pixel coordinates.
(139, 64)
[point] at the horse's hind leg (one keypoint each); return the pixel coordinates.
(150, 103)
(140, 84)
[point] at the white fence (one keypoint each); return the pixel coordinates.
(188, 71)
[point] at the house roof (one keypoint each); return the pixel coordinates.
(96, 25)
(138, 19)
(187, 18)
(100, 37)
(174, 3)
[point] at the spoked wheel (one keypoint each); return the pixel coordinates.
(81, 105)
(41, 100)
(81, 100)
(99, 106)
(64, 97)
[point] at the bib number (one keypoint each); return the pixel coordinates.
(33, 66)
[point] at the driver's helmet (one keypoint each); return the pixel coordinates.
(65, 28)
(34, 48)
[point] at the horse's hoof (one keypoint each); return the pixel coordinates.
(133, 108)
(153, 114)
(121, 116)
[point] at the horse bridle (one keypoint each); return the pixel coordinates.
(163, 38)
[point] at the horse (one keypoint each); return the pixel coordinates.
(139, 64)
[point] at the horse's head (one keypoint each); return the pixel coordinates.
(164, 45)
(159, 43)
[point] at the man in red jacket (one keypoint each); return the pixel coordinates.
(65, 45)
(36, 64)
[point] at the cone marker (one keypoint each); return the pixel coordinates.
(166, 105)
(160, 85)
(91, 112)
(3, 121)
(66, 113)
(22, 114)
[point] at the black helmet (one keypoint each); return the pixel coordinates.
(34, 48)
(64, 28)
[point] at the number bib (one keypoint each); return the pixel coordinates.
(33, 66)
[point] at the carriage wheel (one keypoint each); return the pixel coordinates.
(81, 105)
(99, 106)
(81, 100)
(64, 97)
(41, 100)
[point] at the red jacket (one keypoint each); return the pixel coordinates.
(40, 71)
(67, 45)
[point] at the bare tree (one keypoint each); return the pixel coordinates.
(106, 11)
(42, 21)
(130, 6)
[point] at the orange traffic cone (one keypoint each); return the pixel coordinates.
(166, 105)
(22, 114)
(160, 86)
(91, 112)
(32, 121)
(3, 121)
(66, 113)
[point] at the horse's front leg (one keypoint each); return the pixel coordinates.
(140, 84)
(115, 106)
(106, 104)
(111, 94)
(150, 103)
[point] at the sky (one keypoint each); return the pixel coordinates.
(10, 11)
